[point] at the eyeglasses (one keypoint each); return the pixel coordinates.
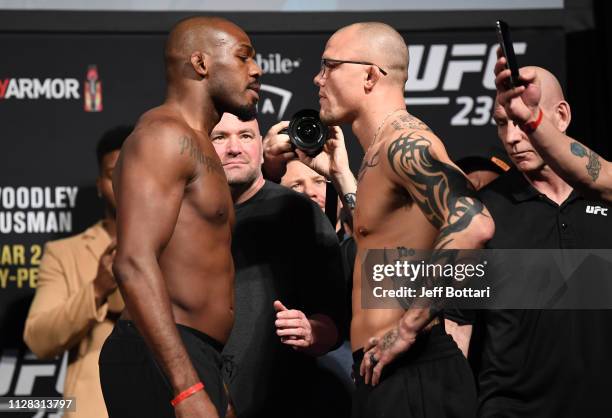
(245, 138)
(332, 63)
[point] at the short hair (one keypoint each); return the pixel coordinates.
(112, 140)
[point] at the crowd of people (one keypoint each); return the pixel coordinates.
(209, 290)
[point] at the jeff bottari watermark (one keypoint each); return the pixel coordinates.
(426, 280)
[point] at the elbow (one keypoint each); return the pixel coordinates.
(37, 343)
(473, 234)
(482, 230)
(129, 268)
(125, 267)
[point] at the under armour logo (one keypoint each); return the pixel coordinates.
(597, 210)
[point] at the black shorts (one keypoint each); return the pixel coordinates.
(433, 379)
(133, 384)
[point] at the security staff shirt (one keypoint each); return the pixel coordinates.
(544, 363)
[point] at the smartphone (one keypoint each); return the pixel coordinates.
(505, 42)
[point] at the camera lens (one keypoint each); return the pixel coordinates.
(307, 132)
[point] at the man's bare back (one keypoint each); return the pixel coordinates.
(196, 263)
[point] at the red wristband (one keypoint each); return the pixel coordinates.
(530, 127)
(187, 393)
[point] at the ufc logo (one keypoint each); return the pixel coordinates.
(597, 210)
(425, 72)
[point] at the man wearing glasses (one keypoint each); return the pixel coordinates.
(408, 194)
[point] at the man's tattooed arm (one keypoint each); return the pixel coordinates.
(189, 147)
(449, 202)
(443, 193)
(575, 163)
(593, 166)
(351, 200)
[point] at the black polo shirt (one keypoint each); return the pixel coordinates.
(536, 363)
(285, 249)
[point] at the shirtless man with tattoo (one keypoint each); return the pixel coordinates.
(409, 194)
(579, 166)
(174, 219)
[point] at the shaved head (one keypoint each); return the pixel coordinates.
(552, 93)
(380, 44)
(553, 106)
(213, 58)
(205, 34)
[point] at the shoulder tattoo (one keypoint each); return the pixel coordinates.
(187, 146)
(443, 193)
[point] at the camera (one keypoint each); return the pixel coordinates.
(307, 132)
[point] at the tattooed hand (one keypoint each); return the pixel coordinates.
(381, 351)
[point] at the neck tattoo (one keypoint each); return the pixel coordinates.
(383, 123)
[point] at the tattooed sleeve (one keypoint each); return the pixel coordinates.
(445, 196)
(351, 200)
(594, 165)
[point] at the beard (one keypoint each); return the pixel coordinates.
(330, 118)
(225, 100)
(244, 113)
(242, 180)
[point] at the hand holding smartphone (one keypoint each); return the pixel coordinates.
(505, 42)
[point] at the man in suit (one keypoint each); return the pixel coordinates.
(77, 301)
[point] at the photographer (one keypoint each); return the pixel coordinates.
(288, 289)
(331, 162)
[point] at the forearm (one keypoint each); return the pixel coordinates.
(148, 303)
(474, 236)
(575, 163)
(324, 335)
(50, 331)
(346, 187)
(415, 319)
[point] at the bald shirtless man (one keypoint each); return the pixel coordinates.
(174, 218)
(581, 167)
(404, 365)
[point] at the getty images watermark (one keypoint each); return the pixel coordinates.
(487, 279)
(423, 273)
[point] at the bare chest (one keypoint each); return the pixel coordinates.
(385, 214)
(207, 194)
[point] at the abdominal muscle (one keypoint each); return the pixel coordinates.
(414, 232)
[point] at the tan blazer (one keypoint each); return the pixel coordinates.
(63, 315)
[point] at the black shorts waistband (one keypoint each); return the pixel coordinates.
(218, 346)
(431, 345)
